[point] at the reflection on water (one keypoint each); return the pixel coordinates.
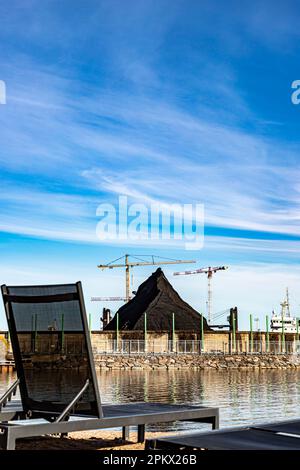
(243, 396)
(62, 387)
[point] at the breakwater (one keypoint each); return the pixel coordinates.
(203, 361)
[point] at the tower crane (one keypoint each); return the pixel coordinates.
(128, 264)
(209, 271)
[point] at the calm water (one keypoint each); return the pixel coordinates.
(243, 397)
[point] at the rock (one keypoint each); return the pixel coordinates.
(193, 361)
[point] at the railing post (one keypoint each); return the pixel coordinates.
(251, 334)
(173, 331)
(297, 335)
(62, 332)
(201, 334)
(282, 338)
(267, 333)
(8, 342)
(32, 333)
(35, 332)
(145, 332)
(117, 329)
(233, 333)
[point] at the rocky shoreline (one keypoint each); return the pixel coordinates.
(188, 361)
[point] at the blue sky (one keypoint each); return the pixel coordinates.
(164, 101)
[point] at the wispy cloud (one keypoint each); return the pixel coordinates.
(146, 147)
(147, 109)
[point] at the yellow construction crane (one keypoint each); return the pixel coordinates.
(155, 260)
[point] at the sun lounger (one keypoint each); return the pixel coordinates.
(56, 374)
(291, 427)
(274, 436)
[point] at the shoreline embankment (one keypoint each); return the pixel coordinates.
(192, 361)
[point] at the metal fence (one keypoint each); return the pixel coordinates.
(53, 346)
(70, 346)
(195, 347)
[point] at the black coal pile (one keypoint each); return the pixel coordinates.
(157, 297)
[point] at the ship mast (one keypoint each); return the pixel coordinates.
(285, 306)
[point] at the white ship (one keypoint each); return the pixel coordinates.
(284, 321)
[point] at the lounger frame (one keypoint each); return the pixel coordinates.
(17, 421)
(284, 435)
(77, 295)
(130, 416)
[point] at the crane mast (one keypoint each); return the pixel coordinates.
(209, 271)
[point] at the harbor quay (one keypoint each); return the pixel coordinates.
(187, 342)
(169, 350)
(216, 350)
